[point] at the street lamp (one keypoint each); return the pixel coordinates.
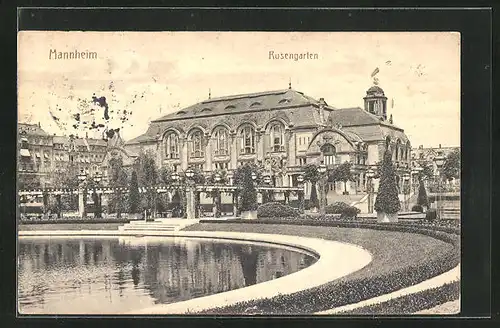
(370, 174)
(300, 180)
(97, 197)
(217, 179)
(191, 207)
(82, 177)
(439, 160)
(322, 171)
(406, 178)
(268, 193)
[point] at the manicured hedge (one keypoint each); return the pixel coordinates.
(276, 210)
(341, 292)
(333, 220)
(412, 303)
(75, 220)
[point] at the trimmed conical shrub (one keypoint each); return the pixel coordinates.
(134, 197)
(387, 197)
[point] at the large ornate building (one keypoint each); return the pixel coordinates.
(284, 130)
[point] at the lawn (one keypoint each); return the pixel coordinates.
(400, 259)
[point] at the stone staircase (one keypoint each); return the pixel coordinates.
(163, 225)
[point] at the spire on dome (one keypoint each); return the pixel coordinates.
(209, 93)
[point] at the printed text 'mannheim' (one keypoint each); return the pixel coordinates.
(54, 54)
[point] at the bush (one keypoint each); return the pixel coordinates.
(431, 215)
(336, 208)
(350, 212)
(276, 210)
(417, 208)
(345, 210)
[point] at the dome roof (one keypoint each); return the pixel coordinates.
(375, 89)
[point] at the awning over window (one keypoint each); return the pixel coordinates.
(25, 153)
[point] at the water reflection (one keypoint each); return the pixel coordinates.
(114, 276)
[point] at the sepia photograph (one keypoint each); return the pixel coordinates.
(238, 173)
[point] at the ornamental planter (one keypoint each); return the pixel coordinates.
(249, 215)
(383, 217)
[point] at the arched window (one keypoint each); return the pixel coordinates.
(196, 144)
(221, 142)
(398, 151)
(329, 153)
(172, 146)
(247, 135)
(276, 134)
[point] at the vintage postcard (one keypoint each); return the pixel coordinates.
(238, 173)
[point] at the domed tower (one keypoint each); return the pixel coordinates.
(376, 102)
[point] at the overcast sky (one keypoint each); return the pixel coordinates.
(155, 73)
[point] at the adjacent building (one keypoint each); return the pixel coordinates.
(42, 156)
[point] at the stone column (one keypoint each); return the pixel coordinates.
(234, 151)
(292, 149)
(259, 135)
(81, 200)
(208, 153)
(190, 202)
(184, 153)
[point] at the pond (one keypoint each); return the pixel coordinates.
(116, 275)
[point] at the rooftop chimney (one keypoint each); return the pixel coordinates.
(439, 145)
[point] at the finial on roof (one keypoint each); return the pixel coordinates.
(209, 93)
(289, 83)
(390, 119)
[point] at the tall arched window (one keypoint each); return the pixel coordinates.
(247, 135)
(329, 153)
(276, 134)
(172, 145)
(221, 142)
(196, 144)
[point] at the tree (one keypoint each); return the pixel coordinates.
(451, 167)
(387, 197)
(422, 199)
(311, 174)
(342, 173)
(133, 196)
(117, 179)
(247, 192)
(427, 170)
(147, 176)
(28, 181)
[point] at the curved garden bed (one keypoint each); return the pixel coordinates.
(403, 255)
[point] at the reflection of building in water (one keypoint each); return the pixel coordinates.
(169, 272)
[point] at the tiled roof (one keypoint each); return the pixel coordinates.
(242, 104)
(31, 129)
(79, 141)
(352, 116)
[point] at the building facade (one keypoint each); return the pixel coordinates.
(282, 130)
(41, 156)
